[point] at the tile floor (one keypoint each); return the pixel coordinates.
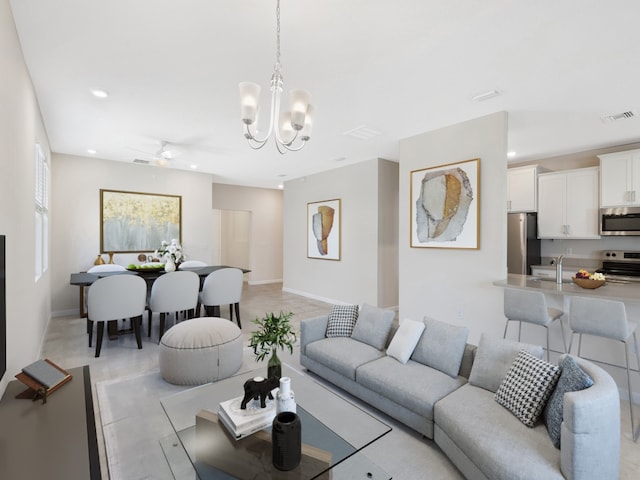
(66, 343)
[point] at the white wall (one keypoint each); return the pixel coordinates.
(453, 285)
(76, 185)
(28, 302)
(366, 252)
(265, 205)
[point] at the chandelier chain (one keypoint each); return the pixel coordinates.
(278, 36)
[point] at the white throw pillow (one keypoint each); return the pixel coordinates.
(405, 340)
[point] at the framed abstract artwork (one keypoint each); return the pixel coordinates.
(138, 222)
(445, 206)
(323, 229)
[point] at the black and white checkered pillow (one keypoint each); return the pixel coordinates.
(342, 319)
(527, 386)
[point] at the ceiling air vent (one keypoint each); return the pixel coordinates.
(618, 116)
(362, 133)
(141, 162)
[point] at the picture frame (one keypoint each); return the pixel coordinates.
(133, 222)
(445, 206)
(324, 229)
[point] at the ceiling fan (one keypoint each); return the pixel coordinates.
(161, 158)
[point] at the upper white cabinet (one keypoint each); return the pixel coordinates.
(620, 179)
(522, 189)
(568, 204)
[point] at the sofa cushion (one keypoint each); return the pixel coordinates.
(441, 346)
(373, 326)
(572, 379)
(342, 318)
(498, 444)
(493, 359)
(525, 389)
(405, 340)
(412, 385)
(342, 355)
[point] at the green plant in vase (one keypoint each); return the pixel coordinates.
(274, 332)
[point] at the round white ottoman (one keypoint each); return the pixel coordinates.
(200, 350)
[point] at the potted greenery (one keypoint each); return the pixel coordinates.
(274, 332)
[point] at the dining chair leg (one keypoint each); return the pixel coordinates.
(90, 330)
(216, 311)
(162, 325)
(99, 338)
(137, 322)
(149, 323)
(237, 307)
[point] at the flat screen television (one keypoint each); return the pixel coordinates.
(3, 309)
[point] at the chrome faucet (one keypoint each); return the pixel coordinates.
(558, 261)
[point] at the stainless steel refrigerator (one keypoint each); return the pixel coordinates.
(523, 246)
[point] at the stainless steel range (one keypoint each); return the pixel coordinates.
(621, 266)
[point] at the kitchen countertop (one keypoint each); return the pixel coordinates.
(629, 292)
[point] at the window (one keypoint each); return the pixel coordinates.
(42, 213)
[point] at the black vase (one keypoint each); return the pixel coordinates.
(286, 438)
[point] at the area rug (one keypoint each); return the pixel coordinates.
(134, 423)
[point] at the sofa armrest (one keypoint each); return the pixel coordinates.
(312, 329)
(590, 435)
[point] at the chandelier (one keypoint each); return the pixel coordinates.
(292, 129)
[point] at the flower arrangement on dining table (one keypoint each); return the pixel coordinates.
(170, 252)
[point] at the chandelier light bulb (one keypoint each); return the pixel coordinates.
(249, 96)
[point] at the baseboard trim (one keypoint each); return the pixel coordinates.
(264, 282)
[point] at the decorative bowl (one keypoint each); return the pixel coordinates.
(587, 282)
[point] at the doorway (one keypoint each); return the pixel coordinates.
(235, 238)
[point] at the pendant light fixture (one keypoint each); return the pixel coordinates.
(292, 129)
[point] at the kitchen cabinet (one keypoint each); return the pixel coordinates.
(568, 204)
(620, 179)
(522, 189)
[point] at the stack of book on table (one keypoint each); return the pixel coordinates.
(43, 377)
(241, 423)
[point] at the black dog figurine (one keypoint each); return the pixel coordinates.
(254, 389)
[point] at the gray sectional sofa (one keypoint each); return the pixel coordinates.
(446, 391)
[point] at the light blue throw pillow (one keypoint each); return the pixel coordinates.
(441, 346)
(572, 379)
(373, 326)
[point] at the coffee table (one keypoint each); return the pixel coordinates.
(330, 424)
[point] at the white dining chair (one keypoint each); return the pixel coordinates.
(172, 293)
(107, 267)
(608, 319)
(530, 307)
(192, 264)
(222, 287)
(113, 298)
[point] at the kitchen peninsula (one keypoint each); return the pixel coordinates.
(624, 292)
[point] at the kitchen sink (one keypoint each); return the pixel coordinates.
(548, 279)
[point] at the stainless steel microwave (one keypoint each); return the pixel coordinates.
(620, 221)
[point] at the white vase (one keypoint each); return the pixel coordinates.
(170, 266)
(285, 398)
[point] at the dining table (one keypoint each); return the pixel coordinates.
(85, 279)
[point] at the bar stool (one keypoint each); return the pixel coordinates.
(531, 307)
(608, 319)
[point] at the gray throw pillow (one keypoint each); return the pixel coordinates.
(493, 359)
(342, 318)
(525, 389)
(441, 346)
(373, 326)
(572, 379)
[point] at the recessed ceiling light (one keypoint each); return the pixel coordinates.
(340, 159)
(280, 186)
(99, 93)
(193, 166)
(91, 151)
(486, 95)
(282, 175)
(511, 154)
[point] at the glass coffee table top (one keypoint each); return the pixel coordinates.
(334, 431)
